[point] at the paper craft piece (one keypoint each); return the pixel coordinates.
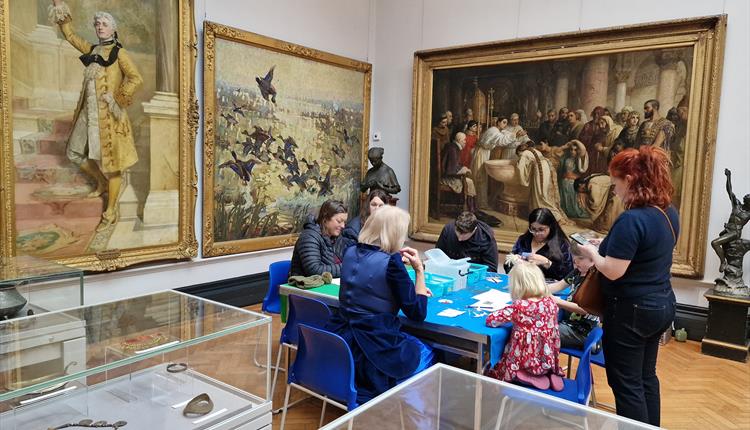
(450, 313)
(493, 295)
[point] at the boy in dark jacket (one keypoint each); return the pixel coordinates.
(469, 237)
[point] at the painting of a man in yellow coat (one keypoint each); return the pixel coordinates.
(101, 141)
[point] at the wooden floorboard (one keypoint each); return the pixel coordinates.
(697, 391)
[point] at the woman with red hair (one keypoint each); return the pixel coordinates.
(634, 262)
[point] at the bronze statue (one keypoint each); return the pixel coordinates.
(731, 247)
(380, 175)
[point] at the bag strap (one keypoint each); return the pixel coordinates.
(674, 236)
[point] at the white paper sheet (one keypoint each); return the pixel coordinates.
(493, 295)
(336, 281)
(450, 313)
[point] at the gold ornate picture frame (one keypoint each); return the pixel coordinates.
(285, 128)
(512, 85)
(97, 152)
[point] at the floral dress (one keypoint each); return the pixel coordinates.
(534, 343)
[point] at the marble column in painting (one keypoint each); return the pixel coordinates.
(162, 111)
(621, 91)
(561, 70)
(667, 62)
(595, 82)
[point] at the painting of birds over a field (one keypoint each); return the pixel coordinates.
(289, 131)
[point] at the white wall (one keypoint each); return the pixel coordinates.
(337, 26)
(404, 26)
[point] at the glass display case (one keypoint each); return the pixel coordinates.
(26, 286)
(161, 361)
(443, 397)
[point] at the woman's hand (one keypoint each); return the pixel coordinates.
(589, 251)
(539, 260)
(411, 256)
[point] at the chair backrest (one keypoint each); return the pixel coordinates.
(303, 310)
(278, 274)
(583, 374)
(324, 364)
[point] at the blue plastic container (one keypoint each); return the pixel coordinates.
(477, 273)
(438, 284)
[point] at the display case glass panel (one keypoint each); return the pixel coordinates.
(448, 398)
(31, 285)
(166, 360)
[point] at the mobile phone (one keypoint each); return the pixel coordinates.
(525, 255)
(579, 238)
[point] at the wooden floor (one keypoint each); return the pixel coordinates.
(697, 391)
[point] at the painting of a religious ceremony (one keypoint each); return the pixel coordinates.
(509, 138)
(94, 85)
(289, 134)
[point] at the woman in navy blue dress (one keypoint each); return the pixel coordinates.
(375, 286)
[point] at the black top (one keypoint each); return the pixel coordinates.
(314, 253)
(643, 236)
(481, 247)
(559, 267)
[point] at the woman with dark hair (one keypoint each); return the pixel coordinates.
(634, 261)
(545, 245)
(375, 200)
(314, 251)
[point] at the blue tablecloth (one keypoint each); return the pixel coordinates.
(473, 320)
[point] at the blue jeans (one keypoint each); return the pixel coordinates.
(632, 328)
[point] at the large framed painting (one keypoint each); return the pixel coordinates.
(506, 127)
(285, 128)
(97, 131)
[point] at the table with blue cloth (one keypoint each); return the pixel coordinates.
(466, 335)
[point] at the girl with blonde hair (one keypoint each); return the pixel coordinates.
(531, 355)
(375, 286)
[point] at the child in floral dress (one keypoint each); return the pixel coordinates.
(531, 354)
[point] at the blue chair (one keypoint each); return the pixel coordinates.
(278, 274)
(302, 310)
(575, 390)
(596, 358)
(324, 368)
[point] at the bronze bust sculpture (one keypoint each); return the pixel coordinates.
(380, 175)
(731, 247)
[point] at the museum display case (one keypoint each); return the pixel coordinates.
(31, 285)
(165, 360)
(447, 397)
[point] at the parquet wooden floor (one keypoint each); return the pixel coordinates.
(697, 391)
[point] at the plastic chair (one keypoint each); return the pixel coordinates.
(596, 358)
(302, 310)
(324, 368)
(575, 390)
(278, 274)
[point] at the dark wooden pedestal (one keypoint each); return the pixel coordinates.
(726, 328)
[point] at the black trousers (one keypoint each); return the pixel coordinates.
(632, 328)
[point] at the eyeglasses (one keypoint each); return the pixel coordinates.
(540, 230)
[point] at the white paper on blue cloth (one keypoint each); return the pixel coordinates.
(450, 313)
(492, 299)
